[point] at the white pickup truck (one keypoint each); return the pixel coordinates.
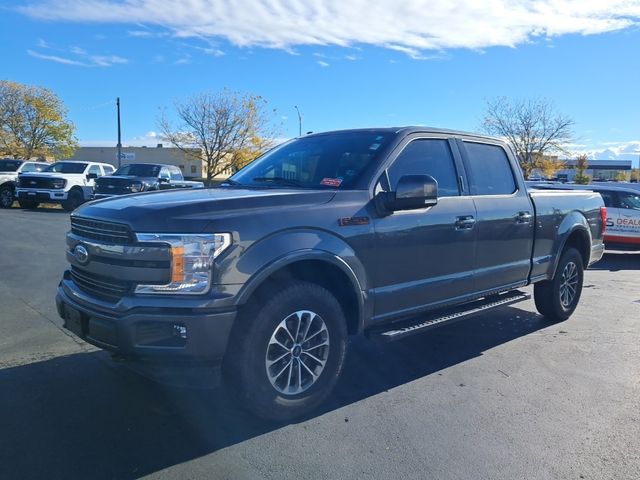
(69, 183)
(9, 171)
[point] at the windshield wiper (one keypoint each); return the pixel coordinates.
(278, 180)
(230, 182)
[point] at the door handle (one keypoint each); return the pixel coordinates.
(523, 217)
(465, 222)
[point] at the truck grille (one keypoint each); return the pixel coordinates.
(103, 231)
(113, 186)
(99, 286)
(35, 182)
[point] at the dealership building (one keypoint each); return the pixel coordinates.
(598, 170)
(189, 164)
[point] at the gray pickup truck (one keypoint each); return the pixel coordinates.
(383, 232)
(141, 177)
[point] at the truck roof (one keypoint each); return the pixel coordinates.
(412, 129)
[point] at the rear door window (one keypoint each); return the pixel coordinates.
(427, 157)
(489, 169)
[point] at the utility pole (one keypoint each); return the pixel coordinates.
(299, 121)
(119, 139)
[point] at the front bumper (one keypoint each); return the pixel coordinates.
(42, 195)
(169, 334)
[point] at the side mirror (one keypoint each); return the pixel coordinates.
(412, 192)
(92, 176)
(163, 180)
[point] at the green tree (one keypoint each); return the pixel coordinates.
(225, 129)
(582, 163)
(532, 127)
(33, 123)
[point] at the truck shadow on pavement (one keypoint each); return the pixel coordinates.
(84, 416)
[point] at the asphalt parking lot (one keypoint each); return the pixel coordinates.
(501, 396)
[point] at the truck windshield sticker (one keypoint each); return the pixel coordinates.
(331, 182)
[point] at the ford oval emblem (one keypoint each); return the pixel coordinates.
(81, 254)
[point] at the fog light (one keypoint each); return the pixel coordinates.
(180, 331)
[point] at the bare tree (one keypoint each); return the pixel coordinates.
(531, 127)
(214, 127)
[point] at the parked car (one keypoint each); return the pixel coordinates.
(623, 214)
(142, 177)
(383, 232)
(9, 171)
(69, 183)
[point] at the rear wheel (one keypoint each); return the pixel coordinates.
(288, 352)
(6, 197)
(73, 201)
(28, 204)
(557, 298)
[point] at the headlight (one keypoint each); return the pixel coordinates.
(135, 187)
(192, 258)
(59, 183)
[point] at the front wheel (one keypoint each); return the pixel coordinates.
(73, 201)
(557, 298)
(288, 352)
(6, 197)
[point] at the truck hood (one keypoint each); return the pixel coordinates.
(189, 211)
(52, 175)
(8, 176)
(124, 179)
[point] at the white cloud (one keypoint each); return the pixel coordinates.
(411, 26)
(57, 59)
(76, 56)
(322, 63)
(629, 150)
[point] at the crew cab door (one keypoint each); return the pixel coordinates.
(505, 217)
(425, 256)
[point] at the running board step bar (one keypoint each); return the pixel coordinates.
(406, 328)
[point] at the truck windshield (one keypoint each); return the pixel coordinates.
(9, 165)
(333, 160)
(138, 170)
(66, 167)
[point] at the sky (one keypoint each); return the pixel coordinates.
(344, 64)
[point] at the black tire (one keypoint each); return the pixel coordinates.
(73, 201)
(28, 204)
(7, 197)
(250, 349)
(552, 299)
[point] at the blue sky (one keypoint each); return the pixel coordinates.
(433, 63)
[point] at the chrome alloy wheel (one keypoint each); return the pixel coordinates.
(569, 284)
(297, 352)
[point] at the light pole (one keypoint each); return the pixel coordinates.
(299, 121)
(119, 139)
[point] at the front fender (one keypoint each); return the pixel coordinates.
(252, 266)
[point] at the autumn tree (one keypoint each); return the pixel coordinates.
(621, 177)
(225, 129)
(33, 123)
(635, 175)
(549, 165)
(532, 127)
(582, 163)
